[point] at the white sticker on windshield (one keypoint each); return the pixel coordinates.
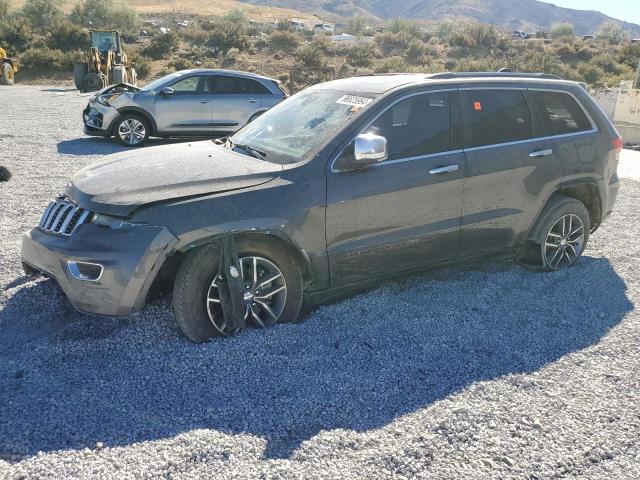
(354, 101)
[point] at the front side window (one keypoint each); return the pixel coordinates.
(416, 126)
(495, 116)
(559, 113)
(188, 86)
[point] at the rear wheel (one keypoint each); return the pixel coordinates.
(132, 130)
(562, 232)
(272, 283)
(7, 74)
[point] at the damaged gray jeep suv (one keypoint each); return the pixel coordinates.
(346, 182)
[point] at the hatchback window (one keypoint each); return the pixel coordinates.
(188, 86)
(559, 113)
(496, 116)
(416, 126)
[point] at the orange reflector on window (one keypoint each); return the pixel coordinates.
(477, 106)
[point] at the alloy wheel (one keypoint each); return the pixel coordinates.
(132, 131)
(564, 242)
(265, 295)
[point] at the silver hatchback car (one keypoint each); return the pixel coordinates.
(188, 103)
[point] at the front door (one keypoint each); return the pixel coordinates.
(402, 213)
(186, 111)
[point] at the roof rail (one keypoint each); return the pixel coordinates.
(504, 74)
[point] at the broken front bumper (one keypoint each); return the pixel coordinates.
(129, 258)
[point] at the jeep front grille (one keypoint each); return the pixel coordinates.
(63, 217)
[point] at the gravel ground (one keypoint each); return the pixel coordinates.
(487, 371)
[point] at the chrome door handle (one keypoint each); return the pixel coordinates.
(204, 101)
(541, 153)
(447, 169)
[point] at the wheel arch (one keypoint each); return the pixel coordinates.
(138, 111)
(585, 191)
(176, 257)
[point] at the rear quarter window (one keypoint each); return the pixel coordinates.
(495, 116)
(559, 113)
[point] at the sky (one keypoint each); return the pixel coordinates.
(627, 10)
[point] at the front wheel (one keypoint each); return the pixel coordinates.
(132, 130)
(272, 289)
(7, 77)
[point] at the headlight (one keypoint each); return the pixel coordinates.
(107, 98)
(112, 222)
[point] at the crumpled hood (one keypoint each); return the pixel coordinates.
(118, 184)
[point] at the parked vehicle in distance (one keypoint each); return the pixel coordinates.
(188, 103)
(343, 184)
(298, 25)
(323, 29)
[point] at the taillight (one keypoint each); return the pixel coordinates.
(618, 144)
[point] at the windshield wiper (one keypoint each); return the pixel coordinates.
(253, 152)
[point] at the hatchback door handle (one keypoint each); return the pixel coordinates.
(447, 169)
(541, 153)
(253, 100)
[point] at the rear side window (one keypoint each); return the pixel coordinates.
(495, 116)
(559, 113)
(416, 126)
(228, 85)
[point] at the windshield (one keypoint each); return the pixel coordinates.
(300, 125)
(104, 41)
(161, 81)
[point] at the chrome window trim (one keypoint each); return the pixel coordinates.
(397, 160)
(594, 128)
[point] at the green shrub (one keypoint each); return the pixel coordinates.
(46, 60)
(196, 36)
(310, 55)
(394, 64)
(607, 63)
(357, 25)
(230, 31)
(415, 50)
(361, 54)
(68, 36)
(17, 35)
(393, 42)
(285, 40)
(141, 63)
(611, 32)
(4, 10)
(283, 25)
(105, 14)
(560, 30)
(43, 14)
(591, 73)
(180, 64)
(630, 54)
(162, 45)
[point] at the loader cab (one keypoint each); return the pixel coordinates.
(105, 41)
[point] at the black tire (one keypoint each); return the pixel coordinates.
(200, 267)
(7, 77)
(121, 137)
(537, 253)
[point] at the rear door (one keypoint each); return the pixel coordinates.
(402, 213)
(235, 100)
(187, 110)
(508, 168)
(571, 133)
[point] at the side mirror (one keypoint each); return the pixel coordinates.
(369, 149)
(167, 91)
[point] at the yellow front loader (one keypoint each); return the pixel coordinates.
(106, 63)
(8, 68)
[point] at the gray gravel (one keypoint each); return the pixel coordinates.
(487, 371)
